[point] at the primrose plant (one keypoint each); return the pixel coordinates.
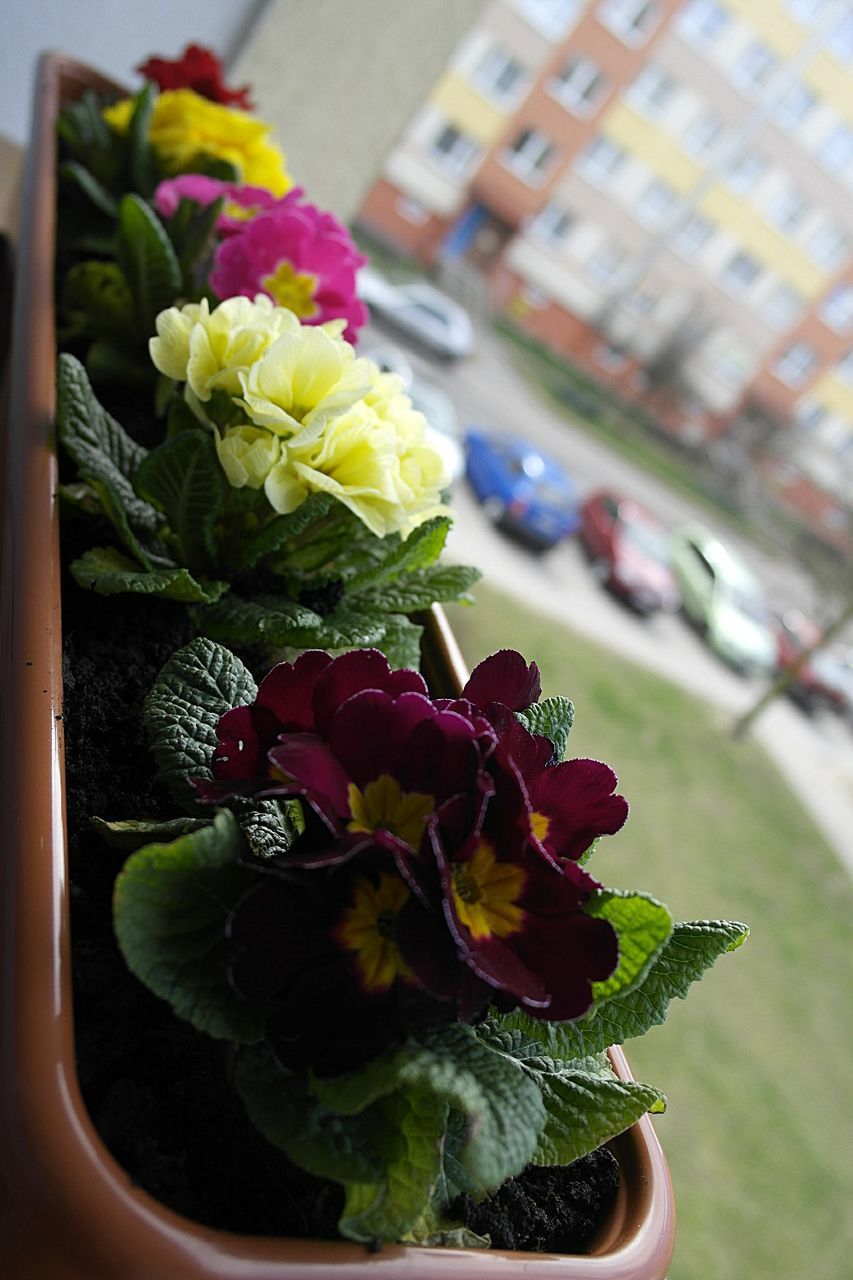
(295, 501)
(388, 914)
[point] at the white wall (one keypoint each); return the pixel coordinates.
(112, 35)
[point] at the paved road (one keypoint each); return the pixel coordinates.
(815, 755)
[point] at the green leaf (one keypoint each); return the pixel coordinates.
(195, 688)
(409, 1133)
(109, 573)
(183, 478)
(319, 1139)
(401, 642)
(74, 172)
(100, 447)
(553, 719)
(130, 835)
(279, 622)
(199, 237)
(146, 257)
(643, 926)
(692, 948)
(170, 907)
(422, 548)
(276, 533)
(423, 587)
(502, 1104)
(269, 826)
(140, 154)
(112, 507)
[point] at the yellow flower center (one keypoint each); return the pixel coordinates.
(540, 824)
(485, 894)
(240, 212)
(292, 289)
(383, 806)
(368, 926)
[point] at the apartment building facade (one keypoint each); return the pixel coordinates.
(660, 189)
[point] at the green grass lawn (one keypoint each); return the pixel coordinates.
(756, 1063)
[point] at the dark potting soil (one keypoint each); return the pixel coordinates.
(158, 1091)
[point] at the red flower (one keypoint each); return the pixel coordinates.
(198, 69)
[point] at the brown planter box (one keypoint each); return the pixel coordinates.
(67, 1210)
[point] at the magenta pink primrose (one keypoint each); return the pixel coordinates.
(438, 871)
(300, 256)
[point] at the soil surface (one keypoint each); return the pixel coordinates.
(157, 1090)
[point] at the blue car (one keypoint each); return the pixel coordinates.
(522, 490)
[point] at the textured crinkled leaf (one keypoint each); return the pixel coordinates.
(643, 925)
(269, 620)
(170, 906)
(113, 508)
(422, 548)
(276, 533)
(184, 479)
(129, 835)
(149, 263)
(692, 948)
(423, 587)
(100, 447)
(319, 1139)
(502, 1104)
(269, 826)
(553, 719)
(195, 688)
(109, 572)
(401, 642)
(409, 1135)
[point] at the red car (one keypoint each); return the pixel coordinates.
(825, 679)
(628, 550)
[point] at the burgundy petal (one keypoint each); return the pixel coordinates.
(570, 952)
(504, 677)
(369, 731)
(288, 689)
(440, 757)
(308, 761)
(351, 673)
(577, 799)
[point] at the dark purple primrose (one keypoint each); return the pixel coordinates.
(442, 875)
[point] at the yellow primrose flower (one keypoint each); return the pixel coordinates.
(209, 350)
(306, 378)
(247, 455)
(185, 125)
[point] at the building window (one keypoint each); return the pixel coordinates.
(790, 209)
(837, 308)
(656, 204)
(631, 20)
(754, 67)
(740, 272)
(693, 234)
(828, 247)
(702, 22)
(605, 263)
(836, 154)
(795, 106)
(552, 17)
(652, 92)
(600, 160)
(782, 307)
(702, 133)
(746, 171)
(412, 210)
(642, 300)
(499, 76)
(795, 364)
(530, 155)
(552, 224)
(454, 150)
(810, 415)
(579, 86)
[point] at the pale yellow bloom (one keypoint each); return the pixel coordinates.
(209, 350)
(185, 125)
(247, 455)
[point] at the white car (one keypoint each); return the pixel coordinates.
(420, 311)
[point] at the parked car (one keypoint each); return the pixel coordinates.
(522, 491)
(826, 678)
(445, 430)
(419, 310)
(723, 599)
(628, 551)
